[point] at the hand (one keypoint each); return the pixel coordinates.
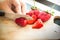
(13, 6)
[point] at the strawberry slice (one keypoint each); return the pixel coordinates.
(44, 16)
(21, 21)
(33, 20)
(38, 24)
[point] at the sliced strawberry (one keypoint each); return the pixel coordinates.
(38, 24)
(44, 16)
(21, 21)
(33, 20)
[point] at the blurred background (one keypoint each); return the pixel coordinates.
(50, 3)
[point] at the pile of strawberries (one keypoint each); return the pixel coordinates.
(39, 17)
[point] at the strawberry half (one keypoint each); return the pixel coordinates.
(38, 24)
(33, 20)
(21, 21)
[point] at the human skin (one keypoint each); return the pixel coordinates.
(13, 6)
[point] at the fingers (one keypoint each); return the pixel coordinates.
(13, 6)
(23, 7)
(17, 5)
(5, 6)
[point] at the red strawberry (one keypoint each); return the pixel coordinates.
(30, 13)
(33, 12)
(21, 21)
(33, 20)
(36, 12)
(44, 16)
(38, 24)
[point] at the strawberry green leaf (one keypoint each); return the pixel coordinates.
(51, 12)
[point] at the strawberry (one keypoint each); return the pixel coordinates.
(33, 12)
(38, 24)
(36, 12)
(21, 21)
(44, 16)
(33, 20)
(30, 13)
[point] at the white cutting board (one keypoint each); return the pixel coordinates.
(50, 30)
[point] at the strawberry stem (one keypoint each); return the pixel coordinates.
(51, 11)
(34, 6)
